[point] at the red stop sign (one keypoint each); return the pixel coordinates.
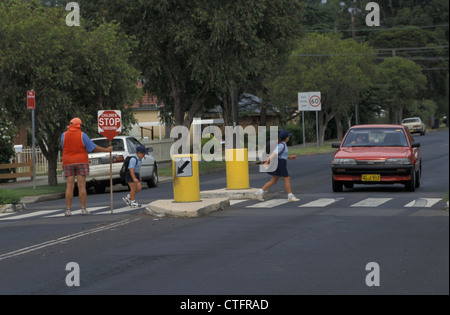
(109, 123)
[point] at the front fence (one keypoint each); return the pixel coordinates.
(41, 162)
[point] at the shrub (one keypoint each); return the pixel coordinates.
(8, 196)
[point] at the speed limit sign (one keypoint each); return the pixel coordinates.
(309, 101)
(315, 102)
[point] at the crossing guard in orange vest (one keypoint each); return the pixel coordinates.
(75, 146)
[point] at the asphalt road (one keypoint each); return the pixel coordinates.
(320, 245)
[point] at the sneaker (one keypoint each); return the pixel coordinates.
(259, 195)
(134, 204)
(85, 212)
(293, 198)
(127, 200)
(67, 213)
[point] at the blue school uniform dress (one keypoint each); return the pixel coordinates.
(282, 152)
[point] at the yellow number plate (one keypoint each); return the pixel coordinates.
(370, 177)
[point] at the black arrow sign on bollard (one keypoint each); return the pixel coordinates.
(182, 167)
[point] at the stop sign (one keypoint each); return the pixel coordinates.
(109, 123)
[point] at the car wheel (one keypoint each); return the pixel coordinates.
(99, 188)
(349, 185)
(411, 184)
(418, 174)
(337, 186)
(153, 182)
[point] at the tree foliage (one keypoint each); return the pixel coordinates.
(74, 72)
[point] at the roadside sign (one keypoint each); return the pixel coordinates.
(109, 123)
(31, 99)
(309, 101)
(183, 167)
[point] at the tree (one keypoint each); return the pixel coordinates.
(189, 48)
(405, 81)
(339, 69)
(74, 72)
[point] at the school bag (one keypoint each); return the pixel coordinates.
(124, 169)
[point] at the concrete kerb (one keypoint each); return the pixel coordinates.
(195, 209)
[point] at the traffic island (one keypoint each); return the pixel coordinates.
(247, 193)
(194, 209)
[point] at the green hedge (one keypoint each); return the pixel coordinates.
(8, 196)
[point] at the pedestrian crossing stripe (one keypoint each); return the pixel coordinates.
(321, 202)
(371, 202)
(269, 203)
(423, 202)
(75, 212)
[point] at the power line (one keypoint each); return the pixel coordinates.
(379, 29)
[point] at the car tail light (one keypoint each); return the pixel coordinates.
(118, 159)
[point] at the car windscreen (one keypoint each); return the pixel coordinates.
(410, 120)
(116, 143)
(375, 137)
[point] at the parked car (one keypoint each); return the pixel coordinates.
(376, 154)
(123, 146)
(414, 125)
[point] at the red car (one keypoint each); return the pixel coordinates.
(376, 154)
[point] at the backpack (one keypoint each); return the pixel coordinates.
(124, 169)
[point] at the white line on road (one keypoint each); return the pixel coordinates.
(371, 202)
(269, 203)
(30, 215)
(423, 202)
(64, 239)
(322, 202)
(120, 210)
(76, 212)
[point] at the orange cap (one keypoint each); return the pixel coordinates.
(76, 121)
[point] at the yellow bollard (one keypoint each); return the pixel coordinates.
(186, 183)
(236, 161)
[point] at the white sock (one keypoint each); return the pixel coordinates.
(290, 194)
(261, 191)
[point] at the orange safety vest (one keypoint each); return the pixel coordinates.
(74, 151)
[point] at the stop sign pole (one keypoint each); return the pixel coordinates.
(31, 104)
(110, 125)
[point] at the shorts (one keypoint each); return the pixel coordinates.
(281, 170)
(129, 179)
(76, 169)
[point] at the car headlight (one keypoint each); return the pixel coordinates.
(344, 161)
(398, 161)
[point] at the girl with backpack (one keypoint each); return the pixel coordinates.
(281, 171)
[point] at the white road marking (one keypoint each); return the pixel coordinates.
(371, 202)
(423, 202)
(63, 239)
(269, 203)
(120, 210)
(322, 202)
(75, 212)
(30, 215)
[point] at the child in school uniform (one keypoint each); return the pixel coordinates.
(281, 171)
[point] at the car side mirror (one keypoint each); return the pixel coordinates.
(336, 145)
(415, 145)
(150, 149)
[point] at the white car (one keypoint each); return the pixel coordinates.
(123, 146)
(414, 124)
